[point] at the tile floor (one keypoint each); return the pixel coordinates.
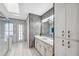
(21, 49)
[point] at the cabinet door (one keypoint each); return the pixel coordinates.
(72, 48)
(72, 21)
(36, 43)
(49, 50)
(42, 48)
(59, 47)
(59, 19)
(39, 45)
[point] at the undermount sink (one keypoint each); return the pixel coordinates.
(44, 38)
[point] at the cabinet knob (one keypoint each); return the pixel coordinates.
(62, 34)
(62, 42)
(68, 46)
(68, 42)
(63, 31)
(68, 31)
(68, 36)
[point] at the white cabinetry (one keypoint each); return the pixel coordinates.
(72, 48)
(59, 47)
(59, 20)
(66, 28)
(72, 19)
(39, 45)
(49, 50)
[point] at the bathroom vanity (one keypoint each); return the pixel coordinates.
(44, 45)
(44, 41)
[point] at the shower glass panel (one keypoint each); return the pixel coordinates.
(4, 35)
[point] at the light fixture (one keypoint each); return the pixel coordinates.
(48, 19)
(44, 20)
(12, 7)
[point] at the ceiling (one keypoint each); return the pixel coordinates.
(25, 8)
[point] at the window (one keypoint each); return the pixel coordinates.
(20, 29)
(8, 30)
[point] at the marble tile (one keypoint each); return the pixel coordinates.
(34, 52)
(21, 49)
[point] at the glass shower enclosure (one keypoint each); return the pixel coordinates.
(4, 35)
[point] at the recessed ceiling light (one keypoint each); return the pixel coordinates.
(12, 7)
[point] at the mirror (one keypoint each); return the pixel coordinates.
(48, 27)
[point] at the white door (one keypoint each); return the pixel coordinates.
(72, 14)
(59, 19)
(60, 47)
(72, 48)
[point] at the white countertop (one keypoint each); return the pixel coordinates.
(45, 39)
